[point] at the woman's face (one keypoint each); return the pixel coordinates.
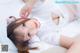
(25, 31)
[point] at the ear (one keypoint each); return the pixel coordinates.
(10, 19)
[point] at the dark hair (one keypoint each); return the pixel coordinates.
(10, 30)
(15, 24)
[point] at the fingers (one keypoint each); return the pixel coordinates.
(25, 11)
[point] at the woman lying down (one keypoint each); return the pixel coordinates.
(22, 32)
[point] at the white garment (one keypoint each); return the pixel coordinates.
(72, 29)
(41, 45)
(49, 31)
(8, 8)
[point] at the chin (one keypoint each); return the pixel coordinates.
(22, 46)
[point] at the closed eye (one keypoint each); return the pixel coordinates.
(29, 35)
(23, 24)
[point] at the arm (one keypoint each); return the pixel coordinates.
(72, 44)
(66, 41)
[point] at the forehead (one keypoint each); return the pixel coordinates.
(27, 24)
(30, 23)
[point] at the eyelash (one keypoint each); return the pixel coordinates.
(23, 24)
(29, 35)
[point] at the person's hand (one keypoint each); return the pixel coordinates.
(25, 11)
(55, 18)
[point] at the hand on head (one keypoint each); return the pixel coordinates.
(26, 10)
(23, 29)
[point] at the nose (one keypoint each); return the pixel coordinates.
(26, 37)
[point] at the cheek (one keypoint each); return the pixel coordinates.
(18, 38)
(33, 32)
(22, 31)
